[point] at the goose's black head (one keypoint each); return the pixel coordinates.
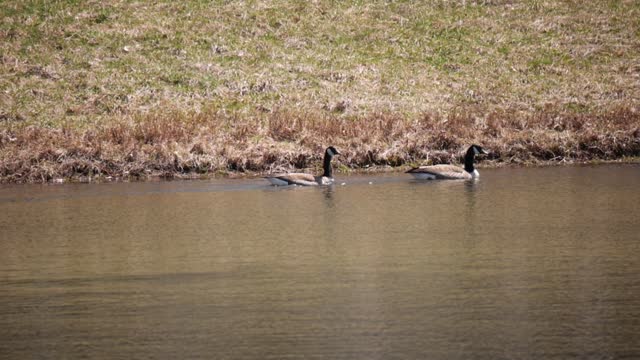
(331, 151)
(477, 150)
(328, 155)
(471, 153)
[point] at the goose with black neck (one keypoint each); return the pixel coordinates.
(451, 172)
(304, 179)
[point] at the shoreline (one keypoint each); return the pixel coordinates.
(354, 172)
(206, 145)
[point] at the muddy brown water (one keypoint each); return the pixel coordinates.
(522, 264)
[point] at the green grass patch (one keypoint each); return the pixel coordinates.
(403, 57)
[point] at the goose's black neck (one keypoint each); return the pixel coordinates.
(327, 165)
(468, 160)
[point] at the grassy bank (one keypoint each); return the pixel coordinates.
(197, 144)
(131, 89)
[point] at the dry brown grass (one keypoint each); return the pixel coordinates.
(175, 144)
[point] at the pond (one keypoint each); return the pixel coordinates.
(523, 263)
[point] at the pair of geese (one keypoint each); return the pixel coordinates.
(433, 172)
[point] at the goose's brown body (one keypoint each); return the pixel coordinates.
(441, 172)
(299, 179)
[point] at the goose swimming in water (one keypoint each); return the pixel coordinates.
(307, 179)
(450, 172)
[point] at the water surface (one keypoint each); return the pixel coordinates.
(524, 264)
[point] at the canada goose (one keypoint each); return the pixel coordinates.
(307, 179)
(450, 172)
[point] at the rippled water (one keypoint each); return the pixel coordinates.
(523, 264)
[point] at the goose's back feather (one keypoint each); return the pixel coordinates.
(442, 171)
(293, 179)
